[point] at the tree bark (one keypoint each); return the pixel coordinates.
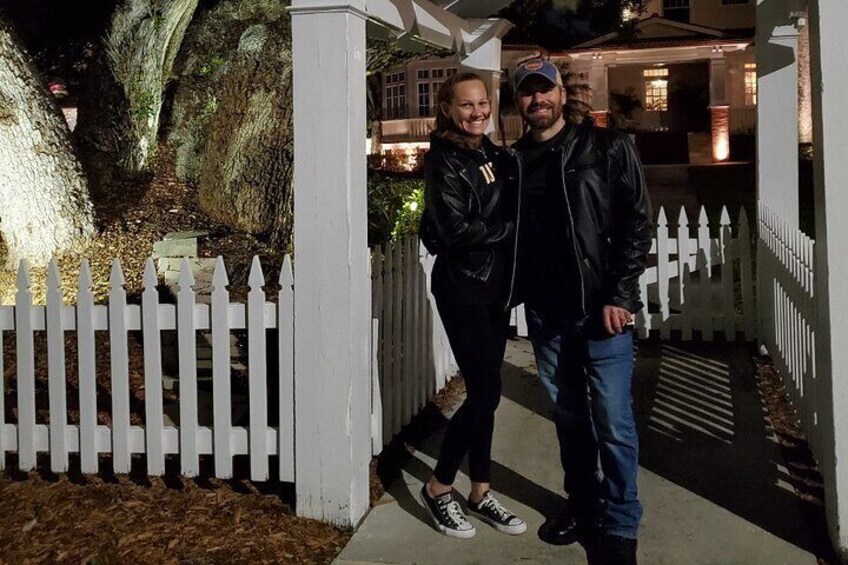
(45, 208)
(119, 116)
(231, 117)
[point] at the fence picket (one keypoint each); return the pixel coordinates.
(662, 274)
(683, 253)
(26, 369)
(689, 308)
(704, 264)
(728, 256)
(119, 367)
(747, 279)
(222, 412)
(285, 331)
(187, 343)
(87, 372)
(154, 419)
(376, 404)
(397, 337)
(387, 376)
(56, 371)
(257, 383)
(418, 330)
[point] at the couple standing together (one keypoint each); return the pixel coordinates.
(561, 223)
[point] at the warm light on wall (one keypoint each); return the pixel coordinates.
(720, 118)
(410, 151)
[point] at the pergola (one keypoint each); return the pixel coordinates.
(778, 26)
(332, 299)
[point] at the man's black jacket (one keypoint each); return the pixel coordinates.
(608, 217)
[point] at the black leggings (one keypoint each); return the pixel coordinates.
(477, 336)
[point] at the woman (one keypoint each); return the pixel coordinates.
(467, 221)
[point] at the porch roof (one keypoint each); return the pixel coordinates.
(660, 32)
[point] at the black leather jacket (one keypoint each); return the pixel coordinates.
(608, 215)
(468, 221)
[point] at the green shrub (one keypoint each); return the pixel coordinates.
(394, 207)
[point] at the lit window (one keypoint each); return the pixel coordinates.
(656, 89)
(750, 84)
(395, 96)
(423, 99)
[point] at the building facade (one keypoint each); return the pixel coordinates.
(682, 67)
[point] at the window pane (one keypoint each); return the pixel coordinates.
(424, 74)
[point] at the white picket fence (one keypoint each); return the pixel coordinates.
(413, 360)
(27, 436)
(699, 284)
(788, 319)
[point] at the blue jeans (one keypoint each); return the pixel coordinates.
(589, 381)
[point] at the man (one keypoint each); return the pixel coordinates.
(583, 234)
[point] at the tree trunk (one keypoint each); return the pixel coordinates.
(120, 114)
(231, 120)
(45, 208)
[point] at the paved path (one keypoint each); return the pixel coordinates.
(712, 480)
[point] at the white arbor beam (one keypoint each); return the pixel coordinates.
(332, 293)
(828, 46)
(777, 108)
(427, 22)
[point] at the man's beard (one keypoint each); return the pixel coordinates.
(543, 122)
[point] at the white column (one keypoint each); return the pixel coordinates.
(719, 108)
(777, 108)
(829, 70)
(599, 83)
(332, 289)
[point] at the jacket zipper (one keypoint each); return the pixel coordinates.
(565, 155)
(515, 244)
(476, 195)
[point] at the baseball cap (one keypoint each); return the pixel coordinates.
(539, 67)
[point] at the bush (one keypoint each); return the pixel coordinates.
(397, 161)
(395, 204)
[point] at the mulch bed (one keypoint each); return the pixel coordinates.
(798, 458)
(100, 520)
(105, 519)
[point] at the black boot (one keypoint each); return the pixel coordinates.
(614, 550)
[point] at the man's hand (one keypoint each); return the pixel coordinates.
(615, 318)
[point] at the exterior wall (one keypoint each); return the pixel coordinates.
(694, 75)
(712, 13)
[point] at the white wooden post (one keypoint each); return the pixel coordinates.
(26, 370)
(332, 295)
(187, 343)
(777, 108)
(87, 371)
(119, 367)
(222, 413)
(153, 413)
(828, 46)
(257, 373)
(285, 346)
(56, 371)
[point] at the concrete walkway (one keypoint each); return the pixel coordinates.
(712, 480)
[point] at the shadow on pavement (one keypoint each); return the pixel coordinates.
(702, 425)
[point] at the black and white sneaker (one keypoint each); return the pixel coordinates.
(493, 513)
(447, 514)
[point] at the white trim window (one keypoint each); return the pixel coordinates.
(395, 95)
(424, 101)
(750, 84)
(656, 89)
